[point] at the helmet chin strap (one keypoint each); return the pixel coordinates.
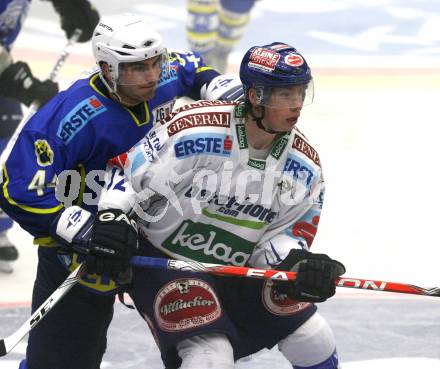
(259, 121)
(113, 91)
(110, 89)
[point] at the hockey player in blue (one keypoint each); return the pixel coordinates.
(98, 117)
(18, 85)
(214, 27)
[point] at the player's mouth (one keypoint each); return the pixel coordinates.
(292, 120)
(148, 86)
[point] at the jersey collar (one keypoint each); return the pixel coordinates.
(275, 153)
(139, 113)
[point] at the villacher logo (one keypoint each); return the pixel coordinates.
(177, 310)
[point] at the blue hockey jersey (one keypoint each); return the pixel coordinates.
(79, 130)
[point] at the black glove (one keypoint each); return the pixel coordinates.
(77, 14)
(17, 82)
(316, 275)
(112, 243)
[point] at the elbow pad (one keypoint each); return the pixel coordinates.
(223, 87)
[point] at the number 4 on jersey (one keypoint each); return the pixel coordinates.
(38, 182)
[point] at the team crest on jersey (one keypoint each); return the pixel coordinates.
(77, 118)
(184, 304)
(278, 303)
(44, 153)
(212, 144)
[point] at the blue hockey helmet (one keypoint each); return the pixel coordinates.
(275, 66)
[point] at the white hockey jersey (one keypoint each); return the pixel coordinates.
(199, 195)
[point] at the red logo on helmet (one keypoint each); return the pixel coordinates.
(294, 60)
(263, 59)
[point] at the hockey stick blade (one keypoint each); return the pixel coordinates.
(279, 275)
(8, 343)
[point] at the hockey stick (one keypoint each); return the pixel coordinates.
(34, 106)
(279, 275)
(8, 343)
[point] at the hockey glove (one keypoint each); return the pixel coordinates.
(107, 241)
(17, 82)
(112, 243)
(315, 279)
(77, 14)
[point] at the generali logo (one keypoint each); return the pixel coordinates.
(219, 119)
(300, 144)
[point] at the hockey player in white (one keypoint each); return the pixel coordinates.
(230, 183)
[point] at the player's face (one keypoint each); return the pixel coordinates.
(137, 81)
(282, 120)
(283, 107)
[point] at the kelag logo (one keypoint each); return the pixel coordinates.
(208, 244)
(212, 144)
(78, 117)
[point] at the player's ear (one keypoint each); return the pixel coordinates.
(254, 99)
(105, 69)
(252, 96)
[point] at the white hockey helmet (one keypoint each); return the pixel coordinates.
(126, 39)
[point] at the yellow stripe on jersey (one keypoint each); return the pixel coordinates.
(202, 8)
(201, 36)
(45, 242)
(93, 281)
(29, 209)
(202, 69)
(234, 21)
